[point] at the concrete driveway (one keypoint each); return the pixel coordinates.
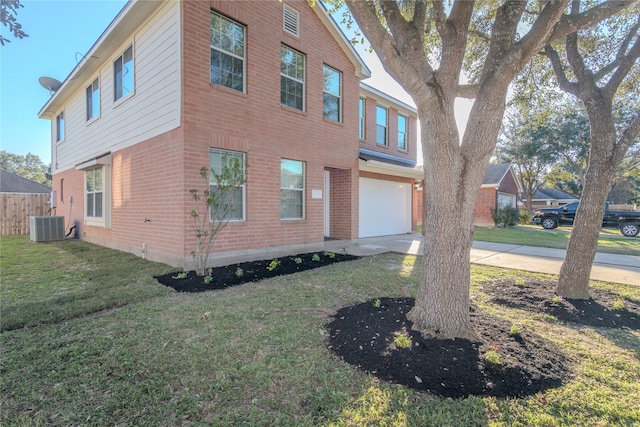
(606, 267)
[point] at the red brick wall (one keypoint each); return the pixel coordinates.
(487, 200)
(146, 184)
(256, 123)
(508, 185)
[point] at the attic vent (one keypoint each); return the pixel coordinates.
(291, 20)
(46, 228)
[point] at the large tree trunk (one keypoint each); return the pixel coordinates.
(604, 158)
(453, 175)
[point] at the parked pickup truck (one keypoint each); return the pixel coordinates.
(627, 222)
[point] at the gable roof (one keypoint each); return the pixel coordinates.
(12, 183)
(495, 174)
(551, 194)
(132, 15)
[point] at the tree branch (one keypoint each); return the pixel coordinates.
(574, 22)
(624, 66)
(630, 133)
(468, 91)
(563, 81)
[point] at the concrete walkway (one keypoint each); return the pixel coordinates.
(606, 267)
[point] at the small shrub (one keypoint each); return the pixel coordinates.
(208, 278)
(330, 255)
(515, 329)
(297, 260)
(557, 299)
(525, 217)
(492, 357)
(505, 216)
(180, 276)
(402, 338)
(273, 264)
(618, 304)
(239, 272)
(376, 303)
(315, 257)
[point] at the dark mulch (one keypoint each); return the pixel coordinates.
(224, 277)
(604, 309)
(364, 334)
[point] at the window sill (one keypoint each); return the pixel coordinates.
(123, 99)
(228, 90)
(293, 110)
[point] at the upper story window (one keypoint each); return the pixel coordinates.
(291, 189)
(291, 78)
(361, 105)
(291, 21)
(93, 99)
(228, 52)
(402, 133)
(123, 74)
(60, 127)
(381, 125)
(332, 96)
(230, 204)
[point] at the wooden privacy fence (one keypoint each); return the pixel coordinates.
(17, 208)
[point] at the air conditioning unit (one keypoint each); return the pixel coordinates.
(46, 228)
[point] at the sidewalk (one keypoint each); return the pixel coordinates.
(606, 267)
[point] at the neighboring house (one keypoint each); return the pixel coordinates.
(500, 188)
(172, 86)
(390, 179)
(21, 198)
(550, 197)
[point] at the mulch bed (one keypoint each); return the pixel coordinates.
(539, 296)
(224, 277)
(363, 335)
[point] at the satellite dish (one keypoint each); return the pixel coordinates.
(50, 84)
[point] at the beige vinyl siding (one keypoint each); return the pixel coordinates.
(153, 108)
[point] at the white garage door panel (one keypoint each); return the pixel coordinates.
(505, 199)
(385, 207)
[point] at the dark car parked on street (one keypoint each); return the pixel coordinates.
(627, 222)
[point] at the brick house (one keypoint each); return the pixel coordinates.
(172, 86)
(500, 187)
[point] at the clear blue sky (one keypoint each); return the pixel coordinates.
(57, 31)
(60, 32)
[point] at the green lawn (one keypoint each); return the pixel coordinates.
(610, 241)
(94, 340)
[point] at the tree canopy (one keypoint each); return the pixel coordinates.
(28, 166)
(8, 12)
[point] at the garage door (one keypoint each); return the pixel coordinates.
(505, 199)
(385, 207)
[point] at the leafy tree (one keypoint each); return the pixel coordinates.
(424, 46)
(29, 166)
(8, 12)
(522, 144)
(600, 70)
(214, 208)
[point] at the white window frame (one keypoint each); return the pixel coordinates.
(362, 104)
(326, 92)
(243, 188)
(93, 91)
(228, 53)
(289, 189)
(121, 59)
(385, 126)
(60, 127)
(403, 133)
(296, 79)
(103, 163)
